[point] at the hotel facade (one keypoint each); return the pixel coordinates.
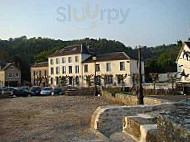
(76, 66)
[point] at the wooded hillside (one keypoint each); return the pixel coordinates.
(28, 51)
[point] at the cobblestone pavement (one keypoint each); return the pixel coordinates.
(55, 119)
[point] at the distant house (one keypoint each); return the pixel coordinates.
(183, 62)
(10, 75)
(39, 74)
(76, 66)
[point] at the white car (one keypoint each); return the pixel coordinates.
(46, 91)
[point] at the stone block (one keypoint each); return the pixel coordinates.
(174, 125)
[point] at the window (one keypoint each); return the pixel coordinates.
(51, 81)
(76, 59)
(109, 79)
(85, 68)
(57, 80)
(70, 59)
(11, 68)
(63, 60)
(57, 60)
(57, 70)
(77, 80)
(40, 73)
(120, 79)
(64, 70)
(10, 75)
(51, 61)
(108, 66)
(97, 67)
(16, 75)
(34, 73)
(122, 66)
(52, 71)
(45, 73)
(76, 69)
(70, 69)
(70, 80)
(98, 80)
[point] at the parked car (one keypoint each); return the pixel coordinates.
(35, 91)
(26, 88)
(21, 92)
(57, 91)
(8, 91)
(46, 91)
(0, 91)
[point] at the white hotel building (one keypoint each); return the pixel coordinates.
(75, 66)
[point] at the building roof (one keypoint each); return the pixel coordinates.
(181, 50)
(4, 66)
(42, 64)
(109, 57)
(70, 50)
(187, 43)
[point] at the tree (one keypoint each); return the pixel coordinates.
(173, 77)
(122, 77)
(155, 78)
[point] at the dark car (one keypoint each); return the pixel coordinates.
(21, 92)
(57, 91)
(8, 91)
(35, 91)
(26, 88)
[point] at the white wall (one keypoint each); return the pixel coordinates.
(184, 64)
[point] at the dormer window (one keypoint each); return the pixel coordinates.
(11, 67)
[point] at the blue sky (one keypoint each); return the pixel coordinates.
(145, 22)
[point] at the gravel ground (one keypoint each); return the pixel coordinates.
(55, 119)
(172, 98)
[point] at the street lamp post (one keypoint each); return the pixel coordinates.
(94, 58)
(140, 92)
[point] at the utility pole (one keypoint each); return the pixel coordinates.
(140, 92)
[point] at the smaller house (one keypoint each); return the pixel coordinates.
(39, 74)
(10, 75)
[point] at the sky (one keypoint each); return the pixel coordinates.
(133, 22)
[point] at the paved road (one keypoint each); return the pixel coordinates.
(57, 119)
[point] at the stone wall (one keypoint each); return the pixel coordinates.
(174, 125)
(129, 99)
(108, 119)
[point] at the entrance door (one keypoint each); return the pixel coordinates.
(70, 80)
